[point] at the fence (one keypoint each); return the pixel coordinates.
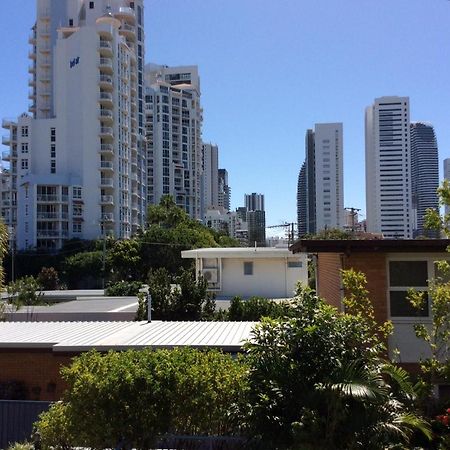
(17, 418)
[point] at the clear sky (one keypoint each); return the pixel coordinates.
(271, 69)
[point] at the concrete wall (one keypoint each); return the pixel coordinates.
(271, 278)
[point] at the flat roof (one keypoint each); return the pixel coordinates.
(75, 337)
(238, 252)
(370, 245)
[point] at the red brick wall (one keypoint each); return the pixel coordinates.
(373, 265)
(329, 278)
(38, 369)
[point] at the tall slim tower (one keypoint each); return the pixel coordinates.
(254, 202)
(174, 144)
(210, 177)
(224, 190)
(320, 190)
(388, 173)
(424, 175)
(78, 164)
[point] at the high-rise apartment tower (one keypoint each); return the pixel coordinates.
(424, 175)
(320, 189)
(77, 163)
(388, 168)
(173, 127)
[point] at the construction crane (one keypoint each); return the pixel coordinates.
(290, 230)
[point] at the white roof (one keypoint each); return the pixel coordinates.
(83, 336)
(240, 252)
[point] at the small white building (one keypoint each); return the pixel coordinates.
(246, 272)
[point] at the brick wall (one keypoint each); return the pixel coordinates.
(373, 265)
(38, 369)
(329, 278)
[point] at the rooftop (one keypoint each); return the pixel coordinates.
(238, 252)
(75, 337)
(370, 245)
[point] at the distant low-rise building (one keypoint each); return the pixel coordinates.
(247, 272)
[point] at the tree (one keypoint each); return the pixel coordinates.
(136, 397)
(25, 291)
(124, 257)
(48, 279)
(317, 380)
(179, 297)
(84, 269)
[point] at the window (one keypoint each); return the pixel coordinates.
(293, 264)
(53, 151)
(76, 227)
(404, 275)
(24, 131)
(24, 164)
(248, 268)
(91, 5)
(52, 134)
(70, 22)
(24, 148)
(53, 167)
(76, 192)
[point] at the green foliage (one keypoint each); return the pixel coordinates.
(124, 258)
(3, 250)
(255, 308)
(21, 446)
(85, 266)
(135, 397)
(48, 279)
(330, 233)
(25, 292)
(179, 297)
(123, 289)
(317, 380)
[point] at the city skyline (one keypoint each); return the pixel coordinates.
(234, 89)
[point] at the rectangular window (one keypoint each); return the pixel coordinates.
(76, 227)
(76, 192)
(52, 151)
(24, 131)
(24, 164)
(24, 147)
(52, 134)
(248, 268)
(293, 264)
(91, 5)
(404, 275)
(53, 167)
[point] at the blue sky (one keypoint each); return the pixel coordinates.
(271, 69)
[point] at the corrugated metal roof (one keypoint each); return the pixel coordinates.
(239, 252)
(83, 336)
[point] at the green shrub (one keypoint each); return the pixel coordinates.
(123, 289)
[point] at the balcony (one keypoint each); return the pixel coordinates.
(126, 13)
(106, 82)
(32, 82)
(107, 148)
(106, 115)
(107, 217)
(45, 49)
(48, 215)
(32, 38)
(6, 140)
(45, 15)
(106, 65)
(106, 133)
(7, 123)
(32, 94)
(45, 63)
(47, 198)
(45, 92)
(107, 200)
(128, 31)
(105, 48)
(32, 55)
(49, 234)
(135, 205)
(45, 33)
(106, 99)
(106, 165)
(107, 182)
(31, 68)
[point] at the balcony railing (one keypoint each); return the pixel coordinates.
(106, 130)
(106, 165)
(107, 182)
(105, 96)
(47, 198)
(107, 217)
(106, 113)
(107, 199)
(106, 148)
(107, 62)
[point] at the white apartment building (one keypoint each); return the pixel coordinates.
(78, 162)
(388, 175)
(329, 175)
(320, 189)
(210, 177)
(173, 128)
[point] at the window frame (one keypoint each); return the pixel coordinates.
(245, 266)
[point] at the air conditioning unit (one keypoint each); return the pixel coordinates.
(210, 275)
